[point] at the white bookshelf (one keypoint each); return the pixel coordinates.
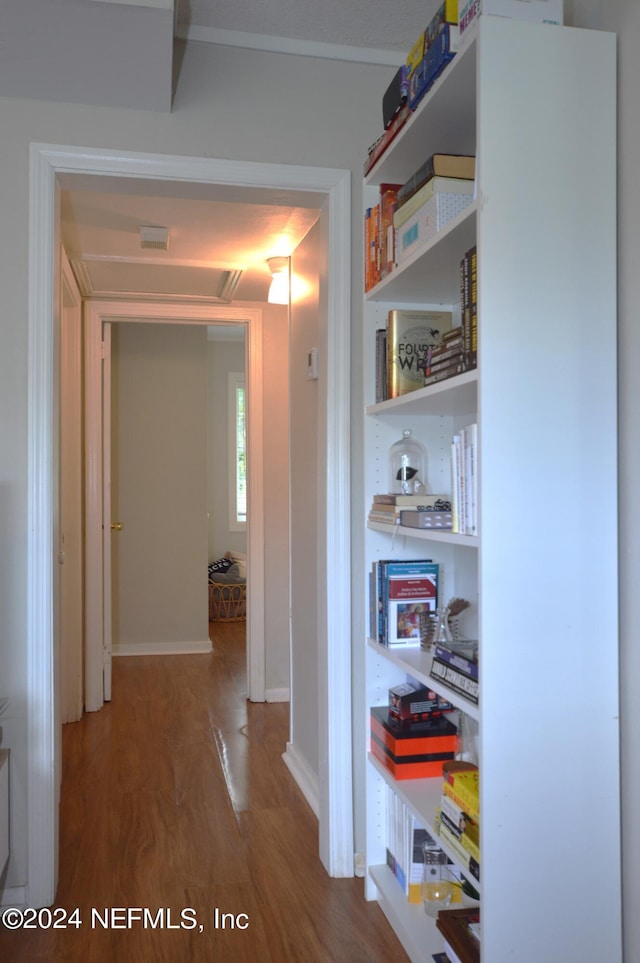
(536, 104)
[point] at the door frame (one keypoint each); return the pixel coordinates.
(47, 162)
(96, 314)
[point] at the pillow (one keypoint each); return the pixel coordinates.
(230, 577)
(240, 560)
(219, 566)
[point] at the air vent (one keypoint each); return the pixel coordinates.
(154, 237)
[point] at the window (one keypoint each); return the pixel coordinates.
(237, 452)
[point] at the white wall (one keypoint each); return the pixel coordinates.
(276, 108)
(159, 431)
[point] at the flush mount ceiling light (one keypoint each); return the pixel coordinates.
(279, 288)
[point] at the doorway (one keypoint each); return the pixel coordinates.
(98, 314)
(334, 644)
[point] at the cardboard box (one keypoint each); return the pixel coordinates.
(538, 11)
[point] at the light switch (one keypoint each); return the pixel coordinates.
(312, 364)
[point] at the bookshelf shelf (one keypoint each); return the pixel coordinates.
(455, 396)
(416, 932)
(435, 265)
(546, 319)
(416, 662)
(422, 796)
(425, 535)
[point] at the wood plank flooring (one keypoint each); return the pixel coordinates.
(175, 798)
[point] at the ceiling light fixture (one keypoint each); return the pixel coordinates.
(279, 288)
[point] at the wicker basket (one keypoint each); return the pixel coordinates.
(227, 602)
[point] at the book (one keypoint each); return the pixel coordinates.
(471, 359)
(436, 185)
(377, 149)
(459, 166)
(461, 655)
(456, 680)
(446, 373)
(410, 334)
(469, 306)
(440, 53)
(461, 826)
(463, 778)
(460, 928)
(381, 365)
(409, 587)
(468, 863)
(387, 208)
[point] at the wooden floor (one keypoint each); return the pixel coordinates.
(175, 798)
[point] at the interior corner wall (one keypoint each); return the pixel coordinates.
(159, 430)
(279, 109)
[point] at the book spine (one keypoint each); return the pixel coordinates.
(472, 360)
(469, 806)
(460, 683)
(463, 856)
(459, 662)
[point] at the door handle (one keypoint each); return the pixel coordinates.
(116, 526)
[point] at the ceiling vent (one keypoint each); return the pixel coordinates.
(156, 238)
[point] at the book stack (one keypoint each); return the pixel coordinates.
(406, 509)
(411, 750)
(458, 821)
(464, 480)
(469, 307)
(379, 236)
(399, 591)
(432, 52)
(446, 359)
(456, 664)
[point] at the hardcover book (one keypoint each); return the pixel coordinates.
(410, 334)
(410, 587)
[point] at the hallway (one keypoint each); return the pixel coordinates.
(175, 798)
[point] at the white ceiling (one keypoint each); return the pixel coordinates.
(62, 50)
(213, 230)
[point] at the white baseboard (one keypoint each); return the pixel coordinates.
(276, 695)
(14, 896)
(304, 776)
(161, 648)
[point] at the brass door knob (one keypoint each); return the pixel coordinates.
(116, 526)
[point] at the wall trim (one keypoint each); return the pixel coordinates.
(47, 162)
(304, 776)
(15, 896)
(161, 648)
(276, 695)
